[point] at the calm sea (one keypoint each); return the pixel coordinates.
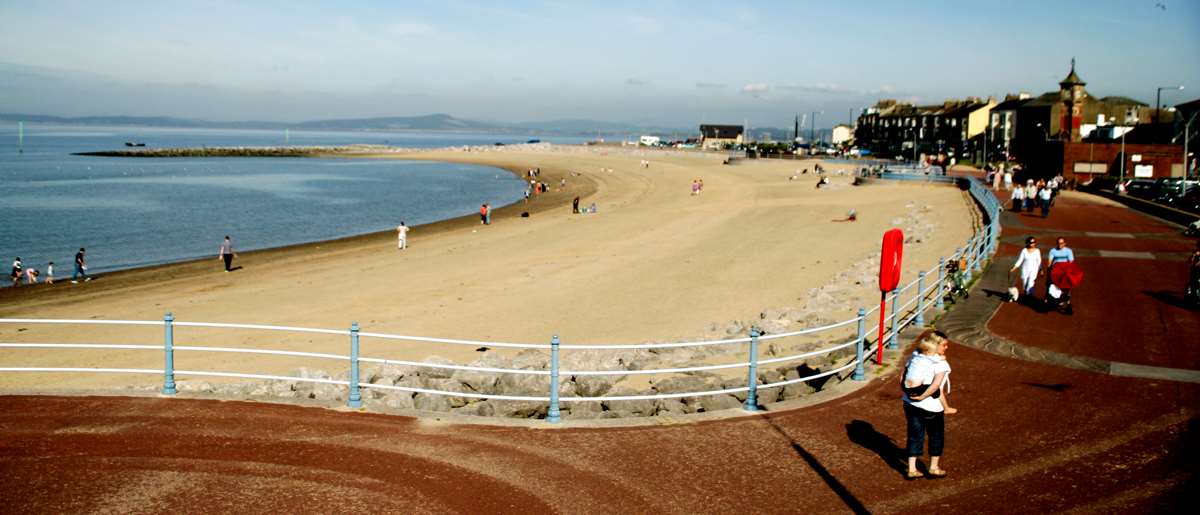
(132, 212)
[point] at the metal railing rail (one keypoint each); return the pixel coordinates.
(929, 293)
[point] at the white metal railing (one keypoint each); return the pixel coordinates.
(928, 288)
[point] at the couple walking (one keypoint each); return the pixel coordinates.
(1029, 263)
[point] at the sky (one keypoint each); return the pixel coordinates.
(663, 63)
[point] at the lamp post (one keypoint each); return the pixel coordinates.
(1158, 99)
(1187, 128)
(1121, 181)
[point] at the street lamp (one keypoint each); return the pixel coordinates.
(1158, 99)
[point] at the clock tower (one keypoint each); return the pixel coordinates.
(1073, 96)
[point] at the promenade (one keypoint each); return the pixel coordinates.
(1093, 412)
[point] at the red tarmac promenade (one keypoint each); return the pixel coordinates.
(1130, 306)
(1031, 436)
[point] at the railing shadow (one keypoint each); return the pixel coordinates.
(836, 486)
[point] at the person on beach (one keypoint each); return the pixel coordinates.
(575, 206)
(1029, 261)
(31, 275)
(488, 215)
(700, 188)
(225, 253)
(926, 383)
(80, 267)
(695, 187)
(483, 212)
(50, 273)
(402, 236)
(16, 271)
(1018, 199)
(1061, 253)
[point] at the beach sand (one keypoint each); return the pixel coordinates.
(654, 264)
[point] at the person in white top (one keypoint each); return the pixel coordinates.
(1029, 261)
(1018, 199)
(402, 236)
(1008, 179)
(926, 385)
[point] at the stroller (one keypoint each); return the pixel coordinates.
(956, 282)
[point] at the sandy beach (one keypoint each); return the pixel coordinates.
(655, 263)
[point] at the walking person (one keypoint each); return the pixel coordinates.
(402, 236)
(1044, 196)
(926, 381)
(1008, 180)
(226, 254)
(1061, 253)
(1018, 199)
(483, 214)
(487, 217)
(575, 206)
(1030, 195)
(16, 271)
(50, 273)
(80, 267)
(1029, 262)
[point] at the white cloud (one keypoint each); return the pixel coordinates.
(755, 88)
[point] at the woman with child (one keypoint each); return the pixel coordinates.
(926, 402)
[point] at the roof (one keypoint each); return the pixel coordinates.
(1072, 79)
(1011, 105)
(721, 131)
(1189, 106)
(1048, 98)
(1121, 100)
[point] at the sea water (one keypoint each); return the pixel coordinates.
(132, 212)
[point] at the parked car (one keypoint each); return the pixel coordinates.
(1141, 188)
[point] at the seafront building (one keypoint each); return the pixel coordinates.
(1067, 131)
(717, 137)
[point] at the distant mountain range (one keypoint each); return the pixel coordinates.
(433, 122)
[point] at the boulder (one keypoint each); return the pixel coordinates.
(478, 409)
(278, 388)
(766, 396)
(523, 384)
(584, 410)
(483, 382)
(671, 407)
(519, 409)
(437, 373)
(644, 408)
(718, 402)
(450, 385)
(684, 384)
(531, 359)
(773, 326)
(329, 392)
(594, 386)
(398, 400)
(431, 402)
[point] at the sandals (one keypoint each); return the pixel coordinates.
(912, 474)
(936, 473)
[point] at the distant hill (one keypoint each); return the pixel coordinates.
(431, 122)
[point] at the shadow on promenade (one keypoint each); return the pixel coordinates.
(865, 435)
(838, 488)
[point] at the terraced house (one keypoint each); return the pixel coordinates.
(954, 127)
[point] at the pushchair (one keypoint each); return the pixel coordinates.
(956, 281)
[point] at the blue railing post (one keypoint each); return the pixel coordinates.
(859, 374)
(553, 415)
(919, 321)
(893, 342)
(752, 381)
(355, 398)
(169, 350)
(941, 286)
